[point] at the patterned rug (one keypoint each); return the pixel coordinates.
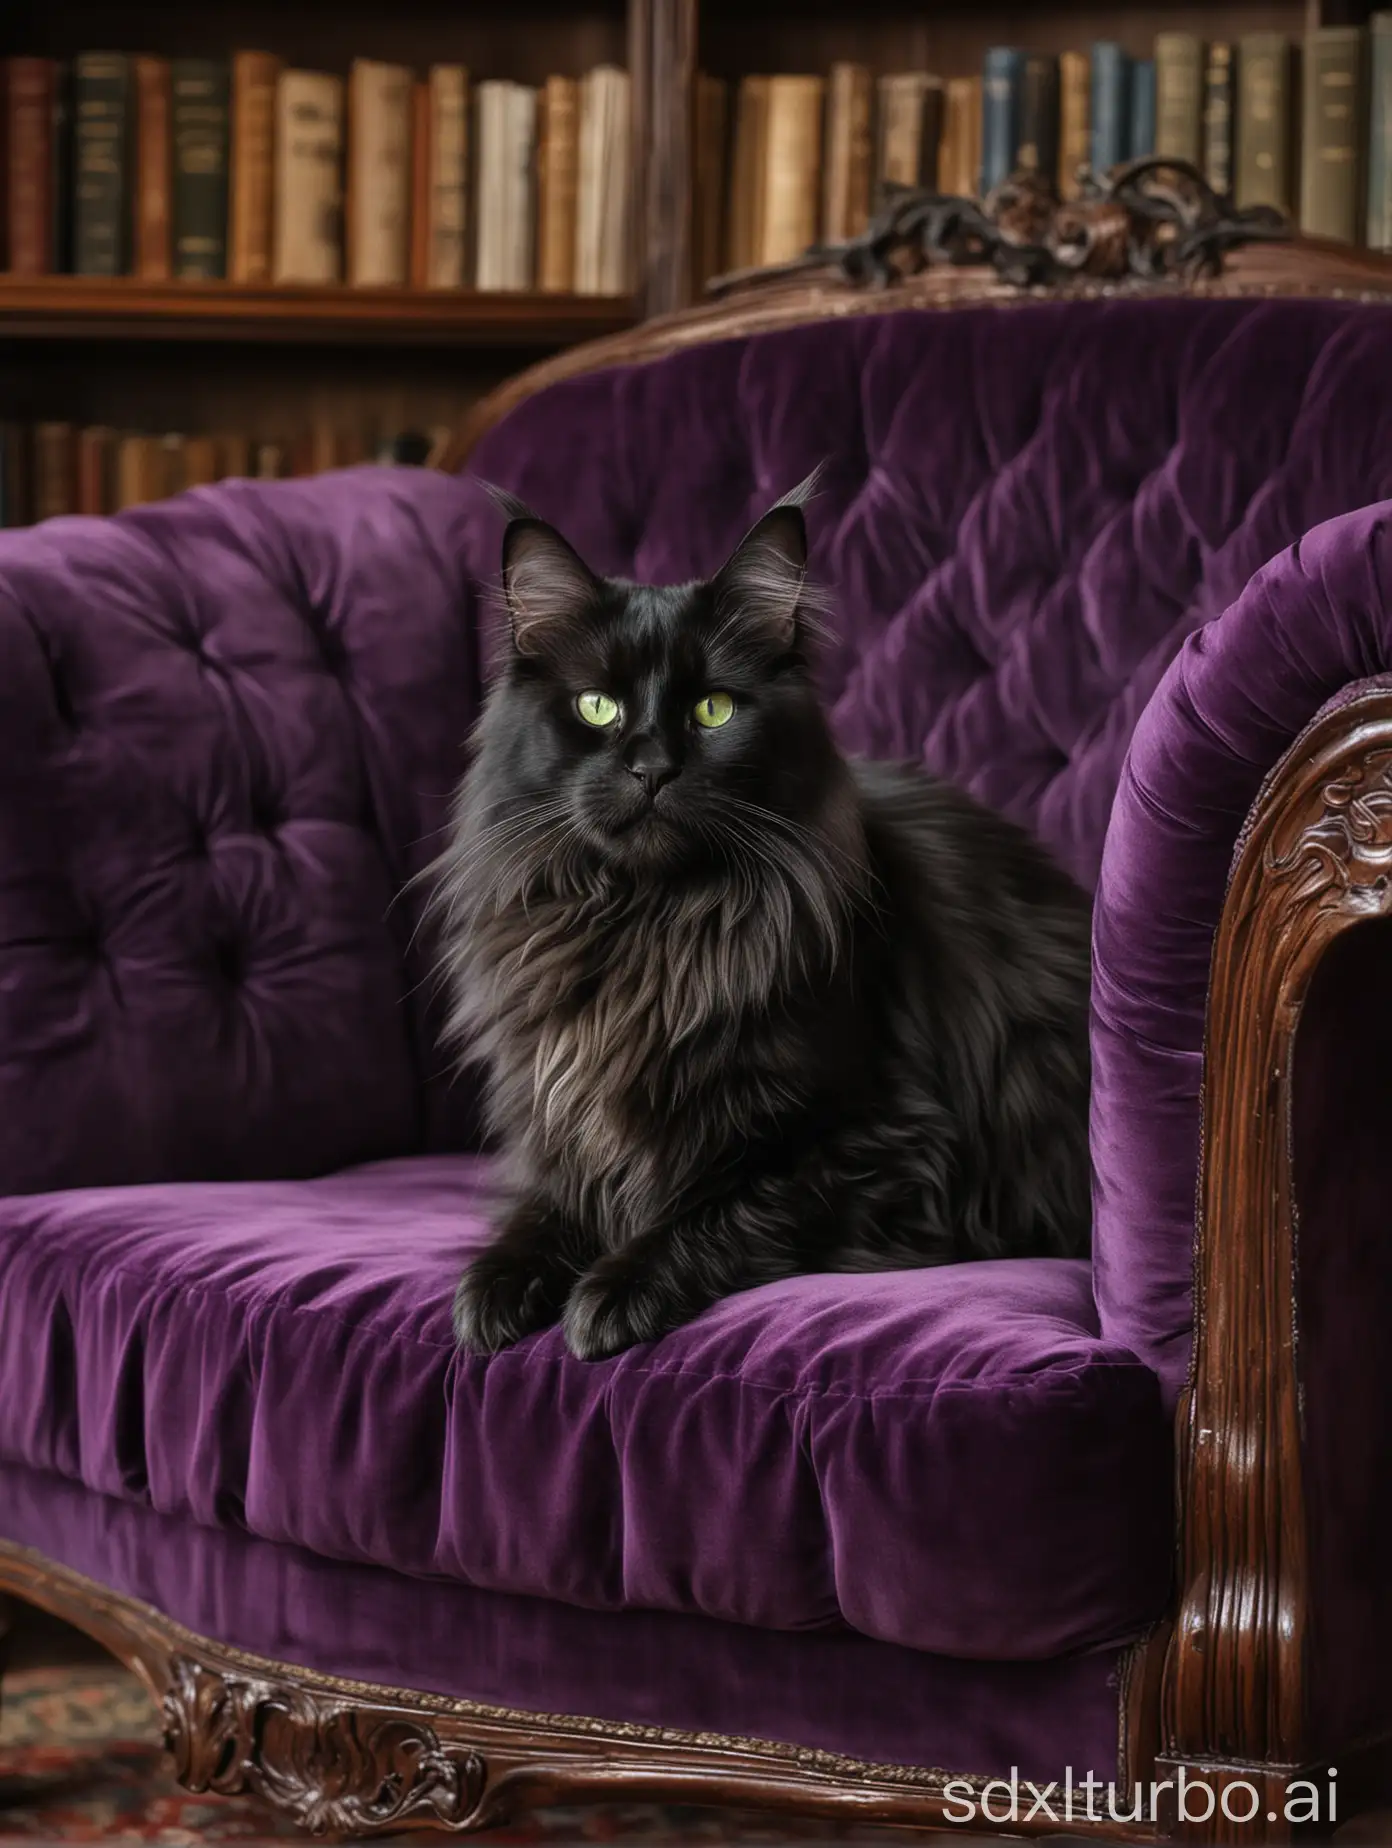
(80, 1761)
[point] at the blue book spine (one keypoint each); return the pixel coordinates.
(1000, 114)
(1141, 131)
(1380, 137)
(1110, 97)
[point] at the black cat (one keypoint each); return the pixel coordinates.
(747, 1009)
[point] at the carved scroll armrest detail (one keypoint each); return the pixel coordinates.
(1315, 860)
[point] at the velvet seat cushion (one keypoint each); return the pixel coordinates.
(952, 1460)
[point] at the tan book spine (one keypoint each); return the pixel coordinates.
(960, 158)
(615, 256)
(1264, 120)
(849, 153)
(200, 461)
(309, 184)
(154, 169)
(520, 215)
(172, 468)
(251, 206)
(792, 168)
(558, 181)
(1179, 66)
(96, 461)
(379, 174)
(449, 176)
(420, 185)
(55, 473)
(746, 175)
(139, 471)
(903, 102)
(490, 183)
(1075, 120)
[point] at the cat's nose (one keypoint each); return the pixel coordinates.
(652, 766)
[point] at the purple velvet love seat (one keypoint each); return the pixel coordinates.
(1119, 568)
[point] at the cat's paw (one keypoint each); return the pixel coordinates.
(502, 1298)
(615, 1306)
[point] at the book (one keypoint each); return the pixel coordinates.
(1075, 122)
(909, 122)
(154, 169)
(711, 137)
(1333, 133)
(1380, 133)
(1219, 72)
(61, 169)
(234, 456)
(55, 471)
(959, 160)
(419, 266)
(16, 485)
(846, 166)
(506, 204)
(379, 174)
(251, 204)
(792, 168)
(1038, 150)
(200, 90)
(96, 470)
(1264, 120)
(602, 265)
(1001, 78)
(140, 471)
(1140, 119)
(30, 85)
(449, 176)
(308, 191)
(746, 174)
(558, 182)
(1179, 61)
(1109, 97)
(101, 163)
(200, 460)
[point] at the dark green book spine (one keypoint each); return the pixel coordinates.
(1334, 134)
(1039, 116)
(200, 90)
(101, 163)
(1380, 136)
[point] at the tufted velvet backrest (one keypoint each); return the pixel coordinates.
(229, 724)
(1024, 511)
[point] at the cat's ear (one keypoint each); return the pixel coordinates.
(763, 583)
(548, 587)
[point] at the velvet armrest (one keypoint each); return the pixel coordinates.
(1243, 998)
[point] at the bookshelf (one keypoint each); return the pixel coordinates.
(731, 39)
(304, 369)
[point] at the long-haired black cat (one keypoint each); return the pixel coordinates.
(747, 1008)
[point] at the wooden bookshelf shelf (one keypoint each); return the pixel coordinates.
(125, 308)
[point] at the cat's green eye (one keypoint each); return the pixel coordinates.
(597, 708)
(714, 710)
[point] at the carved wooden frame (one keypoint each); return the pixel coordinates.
(1315, 859)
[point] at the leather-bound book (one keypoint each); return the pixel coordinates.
(309, 188)
(1219, 74)
(447, 230)
(959, 156)
(1264, 110)
(1333, 133)
(849, 152)
(201, 91)
(1075, 142)
(55, 471)
(910, 129)
(1179, 62)
(379, 174)
(30, 92)
(252, 204)
(558, 180)
(746, 174)
(200, 461)
(711, 176)
(154, 170)
(420, 185)
(1037, 150)
(792, 178)
(96, 469)
(101, 163)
